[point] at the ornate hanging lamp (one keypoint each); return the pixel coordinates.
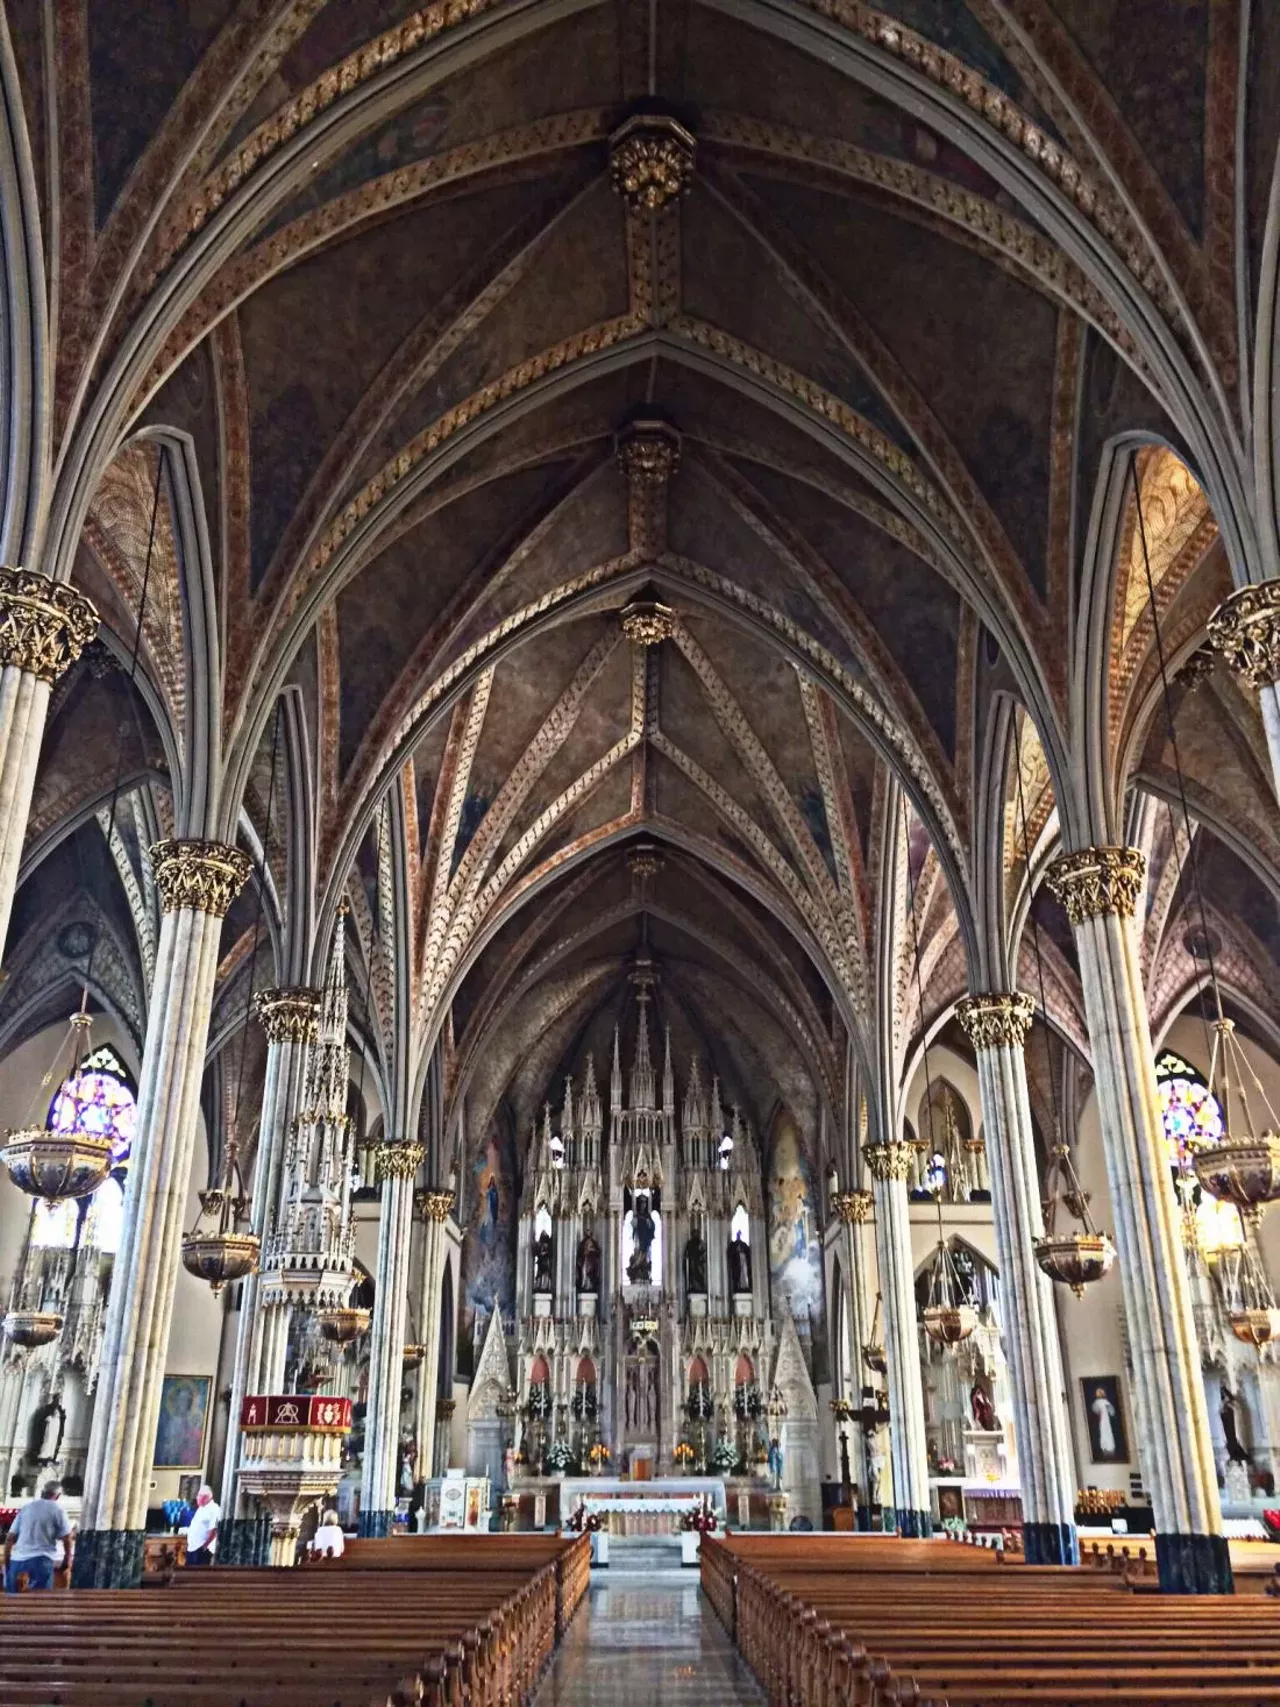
(28, 1323)
(344, 1325)
(219, 1253)
(948, 1317)
(1248, 1301)
(1240, 1169)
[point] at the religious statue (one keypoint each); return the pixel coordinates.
(643, 1230)
(588, 1265)
(695, 1263)
(543, 1278)
(509, 1468)
(46, 1435)
(739, 1264)
(1237, 1452)
(408, 1452)
(984, 1412)
(775, 1464)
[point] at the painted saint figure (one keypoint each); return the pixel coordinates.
(1105, 1412)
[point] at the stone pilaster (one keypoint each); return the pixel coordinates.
(434, 1206)
(396, 1166)
(44, 627)
(1100, 888)
(289, 1018)
(197, 882)
(889, 1164)
(997, 1026)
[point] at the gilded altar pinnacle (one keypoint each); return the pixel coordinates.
(199, 877)
(651, 161)
(44, 624)
(996, 1019)
(1098, 881)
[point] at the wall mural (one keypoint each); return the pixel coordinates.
(488, 1258)
(795, 1245)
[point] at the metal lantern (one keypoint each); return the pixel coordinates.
(1075, 1259)
(220, 1254)
(56, 1165)
(949, 1324)
(32, 1328)
(343, 1325)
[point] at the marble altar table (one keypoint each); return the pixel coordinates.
(641, 1508)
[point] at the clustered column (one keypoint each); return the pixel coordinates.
(44, 627)
(997, 1026)
(1100, 887)
(889, 1165)
(434, 1206)
(289, 1018)
(197, 882)
(853, 1210)
(397, 1164)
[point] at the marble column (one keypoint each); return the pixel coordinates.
(289, 1018)
(434, 1206)
(889, 1164)
(396, 1166)
(997, 1025)
(197, 882)
(44, 627)
(1100, 888)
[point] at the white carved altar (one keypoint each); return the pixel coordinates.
(641, 1508)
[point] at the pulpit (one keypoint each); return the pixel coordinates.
(291, 1458)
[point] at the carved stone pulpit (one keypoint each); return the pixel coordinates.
(291, 1458)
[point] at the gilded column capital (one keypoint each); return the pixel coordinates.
(199, 877)
(996, 1019)
(434, 1204)
(1097, 881)
(398, 1161)
(44, 624)
(1245, 629)
(288, 1015)
(888, 1161)
(651, 161)
(853, 1207)
(648, 623)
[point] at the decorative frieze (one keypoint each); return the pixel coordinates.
(1245, 628)
(994, 1020)
(651, 161)
(44, 624)
(199, 877)
(853, 1208)
(889, 1161)
(398, 1161)
(1097, 881)
(288, 1015)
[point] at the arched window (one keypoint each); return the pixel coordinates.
(1192, 1118)
(98, 1100)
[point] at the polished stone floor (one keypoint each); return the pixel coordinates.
(647, 1640)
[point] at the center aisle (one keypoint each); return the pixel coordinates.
(660, 1645)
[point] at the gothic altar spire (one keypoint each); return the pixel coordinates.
(668, 1075)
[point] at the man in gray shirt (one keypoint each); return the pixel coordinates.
(31, 1546)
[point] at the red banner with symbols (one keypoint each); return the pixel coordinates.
(295, 1410)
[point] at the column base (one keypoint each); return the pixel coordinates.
(1194, 1564)
(1050, 1544)
(915, 1525)
(374, 1525)
(108, 1558)
(244, 1541)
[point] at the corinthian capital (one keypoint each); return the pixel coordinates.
(853, 1207)
(288, 1015)
(44, 624)
(199, 877)
(434, 1205)
(398, 1161)
(888, 1161)
(1245, 628)
(995, 1019)
(1097, 881)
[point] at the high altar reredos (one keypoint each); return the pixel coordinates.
(645, 1341)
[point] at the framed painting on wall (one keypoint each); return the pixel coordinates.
(183, 1424)
(1104, 1417)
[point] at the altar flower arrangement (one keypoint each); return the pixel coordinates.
(699, 1519)
(724, 1456)
(598, 1456)
(582, 1519)
(559, 1457)
(684, 1453)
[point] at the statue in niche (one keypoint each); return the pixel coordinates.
(1237, 1452)
(739, 1264)
(643, 1230)
(981, 1407)
(695, 1263)
(543, 1277)
(47, 1427)
(588, 1265)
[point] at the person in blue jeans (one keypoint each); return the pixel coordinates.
(32, 1544)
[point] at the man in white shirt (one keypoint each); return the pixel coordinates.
(202, 1533)
(34, 1542)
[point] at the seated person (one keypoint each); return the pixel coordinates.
(327, 1540)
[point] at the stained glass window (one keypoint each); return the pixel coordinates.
(97, 1100)
(1192, 1118)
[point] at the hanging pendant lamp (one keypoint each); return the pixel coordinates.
(1083, 1255)
(219, 1253)
(949, 1318)
(1244, 1170)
